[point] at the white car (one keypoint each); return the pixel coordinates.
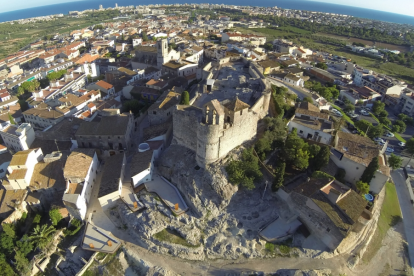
(363, 112)
(389, 134)
(401, 144)
(379, 140)
(390, 150)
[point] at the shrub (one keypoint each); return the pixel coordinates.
(37, 219)
(319, 174)
(55, 215)
(270, 247)
(74, 228)
(185, 98)
(362, 187)
(246, 171)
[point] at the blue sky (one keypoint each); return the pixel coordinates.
(396, 6)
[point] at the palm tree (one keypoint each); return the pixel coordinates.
(42, 235)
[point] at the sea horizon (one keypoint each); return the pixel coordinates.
(307, 5)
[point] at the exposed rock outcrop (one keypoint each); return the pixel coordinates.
(206, 191)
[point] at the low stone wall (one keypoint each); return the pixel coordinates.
(87, 265)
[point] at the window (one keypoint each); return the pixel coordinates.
(301, 131)
(154, 112)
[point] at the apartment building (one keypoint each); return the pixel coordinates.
(18, 138)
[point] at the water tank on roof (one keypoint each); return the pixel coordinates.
(143, 147)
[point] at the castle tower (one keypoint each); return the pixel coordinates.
(234, 110)
(162, 52)
(209, 133)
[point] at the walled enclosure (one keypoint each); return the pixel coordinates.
(225, 117)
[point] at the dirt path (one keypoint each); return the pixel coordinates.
(391, 259)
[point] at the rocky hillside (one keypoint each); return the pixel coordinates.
(206, 191)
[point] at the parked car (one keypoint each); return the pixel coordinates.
(340, 103)
(401, 144)
(363, 112)
(389, 134)
(352, 115)
(378, 139)
(390, 150)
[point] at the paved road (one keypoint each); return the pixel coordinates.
(407, 210)
(301, 93)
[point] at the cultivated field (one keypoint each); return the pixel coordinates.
(368, 42)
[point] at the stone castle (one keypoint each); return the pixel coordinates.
(219, 120)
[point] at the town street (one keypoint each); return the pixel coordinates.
(404, 196)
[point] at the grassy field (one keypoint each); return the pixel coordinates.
(272, 34)
(367, 42)
(171, 236)
(390, 216)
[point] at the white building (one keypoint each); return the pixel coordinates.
(18, 138)
(80, 176)
(312, 124)
(353, 153)
(21, 168)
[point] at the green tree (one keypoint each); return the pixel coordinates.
(383, 114)
(9, 229)
(369, 172)
(37, 219)
(322, 65)
(314, 149)
(185, 98)
(245, 171)
(20, 91)
(24, 245)
(42, 235)
(22, 264)
(279, 176)
(322, 158)
(394, 161)
(308, 99)
(5, 268)
(399, 126)
(144, 36)
(11, 119)
(373, 131)
(295, 151)
(349, 108)
(378, 107)
(55, 216)
(409, 147)
(6, 244)
(268, 46)
(362, 187)
(385, 121)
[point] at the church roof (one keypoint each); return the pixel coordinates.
(236, 105)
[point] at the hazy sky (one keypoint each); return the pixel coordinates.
(396, 6)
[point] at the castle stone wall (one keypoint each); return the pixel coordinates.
(237, 134)
(185, 128)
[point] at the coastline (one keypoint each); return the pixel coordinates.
(283, 4)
